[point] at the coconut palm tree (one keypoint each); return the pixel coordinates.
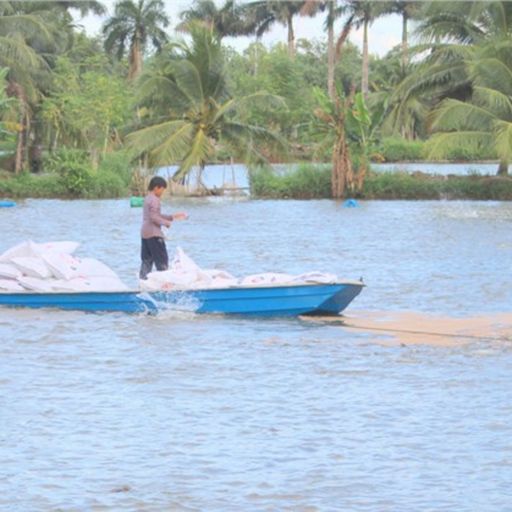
(229, 20)
(265, 13)
(360, 13)
(27, 39)
(134, 25)
(191, 114)
(84, 7)
(485, 120)
(449, 32)
(334, 11)
(408, 10)
(363, 14)
(469, 22)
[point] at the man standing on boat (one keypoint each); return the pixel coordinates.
(153, 249)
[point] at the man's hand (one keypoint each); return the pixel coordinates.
(179, 216)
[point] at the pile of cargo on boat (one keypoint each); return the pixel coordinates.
(52, 267)
(184, 273)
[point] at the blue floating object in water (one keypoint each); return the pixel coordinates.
(350, 203)
(7, 204)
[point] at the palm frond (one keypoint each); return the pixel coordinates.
(173, 148)
(146, 139)
(266, 100)
(163, 92)
(503, 143)
(492, 72)
(498, 103)
(199, 153)
(188, 80)
(440, 144)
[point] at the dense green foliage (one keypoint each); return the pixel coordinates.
(313, 182)
(69, 103)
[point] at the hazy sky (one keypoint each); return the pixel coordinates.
(384, 33)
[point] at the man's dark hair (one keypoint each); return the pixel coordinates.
(157, 181)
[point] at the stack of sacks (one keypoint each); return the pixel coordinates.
(184, 273)
(51, 267)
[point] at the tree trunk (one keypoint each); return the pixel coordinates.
(135, 59)
(331, 56)
(343, 37)
(16, 90)
(361, 174)
(503, 168)
(36, 154)
(291, 36)
(364, 79)
(405, 44)
(256, 56)
(342, 175)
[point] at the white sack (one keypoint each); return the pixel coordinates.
(32, 267)
(182, 263)
(30, 249)
(24, 250)
(91, 285)
(168, 279)
(105, 284)
(89, 267)
(266, 278)
(219, 278)
(62, 265)
(7, 270)
(316, 277)
(73, 285)
(10, 286)
(35, 284)
(58, 247)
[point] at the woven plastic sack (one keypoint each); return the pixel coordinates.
(32, 267)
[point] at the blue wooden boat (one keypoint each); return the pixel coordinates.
(289, 300)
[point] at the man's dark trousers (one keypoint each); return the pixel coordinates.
(153, 251)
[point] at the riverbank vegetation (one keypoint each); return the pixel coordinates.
(314, 182)
(85, 116)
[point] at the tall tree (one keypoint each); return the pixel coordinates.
(364, 13)
(360, 13)
(86, 105)
(229, 20)
(27, 39)
(408, 10)
(131, 29)
(311, 8)
(190, 111)
(265, 13)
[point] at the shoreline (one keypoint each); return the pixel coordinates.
(308, 181)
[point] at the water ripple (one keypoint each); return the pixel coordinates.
(186, 412)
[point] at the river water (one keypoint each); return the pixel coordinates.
(186, 412)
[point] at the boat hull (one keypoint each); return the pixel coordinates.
(255, 301)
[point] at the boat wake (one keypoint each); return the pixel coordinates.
(182, 307)
(411, 328)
